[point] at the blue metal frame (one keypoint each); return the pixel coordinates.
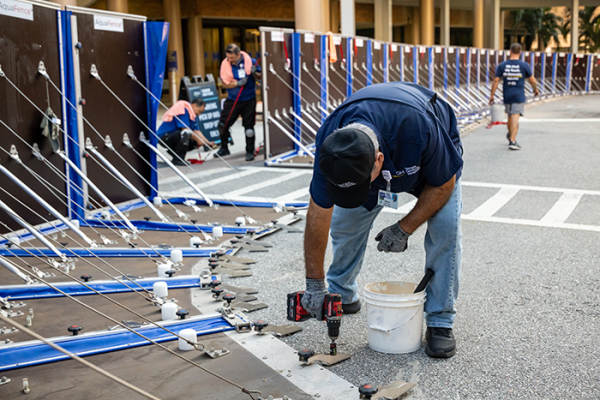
(42, 291)
(369, 62)
(569, 71)
(478, 80)
(468, 62)
(37, 352)
(554, 69)
(324, 64)
(349, 66)
(76, 201)
(416, 64)
(297, 71)
(457, 75)
(386, 62)
(588, 73)
(430, 60)
(138, 252)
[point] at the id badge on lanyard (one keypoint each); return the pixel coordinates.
(386, 198)
(241, 73)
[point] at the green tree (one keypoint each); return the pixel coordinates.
(588, 29)
(537, 22)
(564, 29)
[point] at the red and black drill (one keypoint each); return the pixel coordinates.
(332, 313)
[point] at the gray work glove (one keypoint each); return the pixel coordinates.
(314, 296)
(254, 69)
(241, 82)
(392, 239)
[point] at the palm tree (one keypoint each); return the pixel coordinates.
(550, 28)
(564, 29)
(540, 22)
(588, 26)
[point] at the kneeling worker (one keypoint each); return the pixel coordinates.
(179, 130)
(385, 139)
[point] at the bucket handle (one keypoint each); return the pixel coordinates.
(398, 327)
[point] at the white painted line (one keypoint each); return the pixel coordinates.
(213, 182)
(559, 120)
(313, 379)
(294, 195)
(535, 188)
(515, 221)
(194, 175)
(494, 203)
(267, 183)
(561, 210)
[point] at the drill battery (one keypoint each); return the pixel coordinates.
(332, 307)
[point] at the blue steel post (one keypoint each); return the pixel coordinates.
(569, 71)
(324, 66)
(369, 62)
(297, 70)
(76, 201)
(468, 57)
(457, 77)
(416, 64)
(588, 73)
(401, 62)
(430, 56)
(532, 62)
(386, 62)
(487, 68)
(446, 69)
(554, 67)
(349, 66)
(543, 74)
(478, 71)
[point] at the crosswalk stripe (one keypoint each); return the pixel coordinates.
(494, 203)
(561, 210)
(266, 183)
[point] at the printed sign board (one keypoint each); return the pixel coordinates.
(16, 9)
(195, 88)
(104, 23)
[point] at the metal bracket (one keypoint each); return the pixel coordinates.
(11, 313)
(42, 70)
(206, 278)
(88, 143)
(35, 151)
(14, 154)
(5, 303)
(29, 318)
(5, 342)
(126, 141)
(236, 319)
(42, 274)
(67, 264)
(6, 331)
(182, 215)
(212, 353)
(107, 241)
(143, 138)
(130, 72)
(2, 72)
(94, 72)
(108, 142)
(4, 380)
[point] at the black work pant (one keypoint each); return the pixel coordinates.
(247, 109)
(179, 142)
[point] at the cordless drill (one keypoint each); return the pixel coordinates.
(332, 313)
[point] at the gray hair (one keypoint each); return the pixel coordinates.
(368, 131)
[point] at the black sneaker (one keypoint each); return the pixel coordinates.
(440, 343)
(351, 308)
(179, 162)
(222, 152)
(249, 156)
(514, 146)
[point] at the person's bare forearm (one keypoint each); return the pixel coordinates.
(429, 202)
(494, 87)
(316, 236)
(533, 83)
(200, 138)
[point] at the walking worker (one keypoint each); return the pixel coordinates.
(513, 73)
(385, 139)
(239, 73)
(179, 130)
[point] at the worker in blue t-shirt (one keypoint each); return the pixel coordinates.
(386, 139)
(513, 72)
(179, 131)
(239, 73)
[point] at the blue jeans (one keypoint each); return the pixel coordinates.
(443, 247)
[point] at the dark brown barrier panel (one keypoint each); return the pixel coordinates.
(423, 65)
(337, 71)
(561, 71)
(377, 57)
(494, 61)
(482, 56)
(359, 79)
(396, 55)
(277, 90)
(578, 77)
(462, 54)
(595, 76)
(26, 39)
(548, 70)
(473, 71)
(310, 51)
(438, 69)
(112, 42)
(409, 70)
(452, 95)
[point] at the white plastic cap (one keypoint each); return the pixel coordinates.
(160, 289)
(217, 231)
(176, 255)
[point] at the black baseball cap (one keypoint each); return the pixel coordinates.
(347, 158)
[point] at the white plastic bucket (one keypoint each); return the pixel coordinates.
(497, 113)
(394, 316)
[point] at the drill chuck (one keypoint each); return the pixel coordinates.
(333, 327)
